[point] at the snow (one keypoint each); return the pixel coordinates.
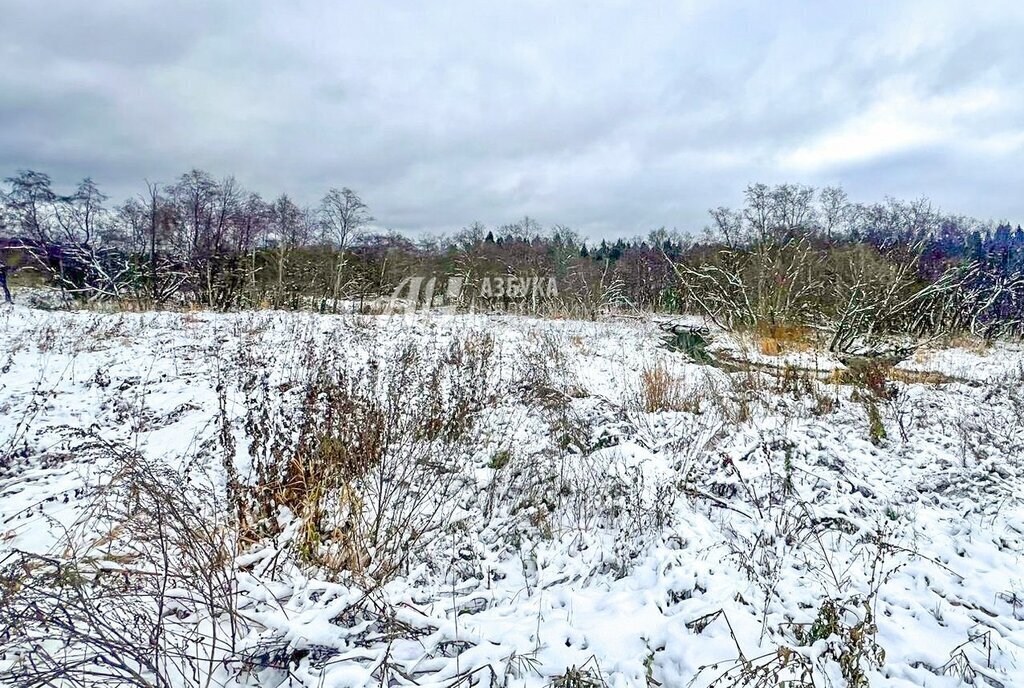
(676, 540)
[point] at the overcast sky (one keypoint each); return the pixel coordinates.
(613, 118)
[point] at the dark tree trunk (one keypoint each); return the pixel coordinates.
(3, 284)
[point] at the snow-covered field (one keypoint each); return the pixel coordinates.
(770, 524)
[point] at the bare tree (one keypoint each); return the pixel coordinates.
(344, 216)
(728, 224)
(193, 197)
(470, 236)
(288, 230)
(227, 211)
(757, 210)
(154, 222)
(57, 233)
(792, 210)
(253, 220)
(836, 212)
(30, 204)
(81, 214)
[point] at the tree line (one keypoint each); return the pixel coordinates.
(791, 255)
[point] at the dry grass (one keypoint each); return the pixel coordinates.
(875, 377)
(969, 342)
(107, 610)
(922, 377)
(775, 340)
(660, 390)
(363, 456)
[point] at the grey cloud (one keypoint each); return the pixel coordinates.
(610, 117)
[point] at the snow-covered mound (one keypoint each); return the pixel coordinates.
(615, 515)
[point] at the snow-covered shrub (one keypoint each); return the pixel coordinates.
(141, 593)
(588, 675)
(365, 456)
(42, 298)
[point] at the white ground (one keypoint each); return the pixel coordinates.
(763, 512)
